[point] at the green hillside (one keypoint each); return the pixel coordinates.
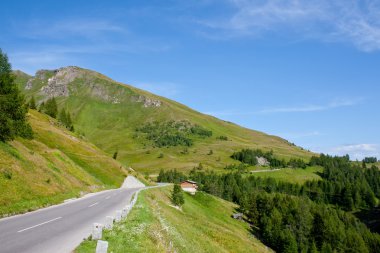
(109, 114)
(203, 225)
(54, 166)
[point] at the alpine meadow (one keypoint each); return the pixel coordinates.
(189, 126)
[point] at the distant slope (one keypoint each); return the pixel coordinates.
(203, 225)
(56, 165)
(108, 113)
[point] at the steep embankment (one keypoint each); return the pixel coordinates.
(108, 113)
(54, 166)
(203, 225)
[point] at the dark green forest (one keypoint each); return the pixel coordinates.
(249, 157)
(313, 217)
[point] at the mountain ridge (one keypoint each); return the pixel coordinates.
(108, 113)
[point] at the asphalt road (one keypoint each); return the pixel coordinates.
(62, 227)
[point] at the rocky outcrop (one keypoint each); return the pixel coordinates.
(29, 84)
(57, 85)
(147, 102)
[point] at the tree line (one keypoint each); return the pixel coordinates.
(370, 159)
(250, 156)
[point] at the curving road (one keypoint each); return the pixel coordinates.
(60, 228)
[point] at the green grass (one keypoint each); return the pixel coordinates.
(111, 126)
(292, 175)
(203, 225)
(54, 166)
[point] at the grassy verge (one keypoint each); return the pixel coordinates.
(203, 225)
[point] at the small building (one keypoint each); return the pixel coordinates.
(189, 186)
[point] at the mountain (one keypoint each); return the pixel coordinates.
(149, 132)
(54, 166)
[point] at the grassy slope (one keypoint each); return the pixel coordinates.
(203, 225)
(112, 126)
(54, 166)
(292, 175)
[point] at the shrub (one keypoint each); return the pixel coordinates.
(7, 174)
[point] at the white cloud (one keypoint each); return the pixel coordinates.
(356, 22)
(357, 151)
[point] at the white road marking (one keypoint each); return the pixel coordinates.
(43, 223)
(93, 204)
(108, 197)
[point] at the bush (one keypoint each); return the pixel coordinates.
(222, 138)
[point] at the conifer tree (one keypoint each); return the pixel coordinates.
(32, 103)
(63, 117)
(41, 108)
(70, 125)
(12, 105)
(51, 108)
(177, 196)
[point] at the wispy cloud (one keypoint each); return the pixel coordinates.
(312, 108)
(64, 28)
(356, 22)
(337, 103)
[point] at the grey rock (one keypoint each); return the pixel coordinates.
(147, 102)
(262, 161)
(29, 84)
(57, 85)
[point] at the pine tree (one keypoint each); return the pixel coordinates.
(51, 108)
(63, 117)
(70, 125)
(177, 196)
(41, 108)
(32, 103)
(326, 248)
(13, 120)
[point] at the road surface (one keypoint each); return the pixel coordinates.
(60, 228)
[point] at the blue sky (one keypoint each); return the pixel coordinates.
(306, 70)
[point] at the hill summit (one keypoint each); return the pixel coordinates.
(147, 131)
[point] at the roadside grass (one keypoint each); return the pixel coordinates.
(54, 166)
(204, 224)
(292, 175)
